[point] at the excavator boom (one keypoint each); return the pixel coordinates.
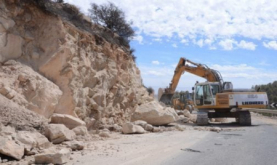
(186, 65)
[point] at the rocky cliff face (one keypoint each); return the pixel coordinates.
(97, 77)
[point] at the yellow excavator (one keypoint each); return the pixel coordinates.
(215, 98)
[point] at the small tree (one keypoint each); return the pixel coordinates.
(150, 90)
(112, 17)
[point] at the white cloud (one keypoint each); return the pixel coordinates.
(232, 68)
(175, 45)
(218, 20)
(184, 41)
(138, 38)
(246, 45)
(157, 39)
(227, 44)
(155, 62)
(230, 44)
(199, 43)
(270, 45)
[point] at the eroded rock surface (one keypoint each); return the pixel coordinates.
(96, 74)
(23, 85)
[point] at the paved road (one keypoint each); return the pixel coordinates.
(255, 145)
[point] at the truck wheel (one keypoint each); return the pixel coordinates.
(244, 118)
(202, 118)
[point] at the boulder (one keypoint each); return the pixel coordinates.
(58, 133)
(186, 113)
(148, 127)
(153, 113)
(10, 148)
(68, 120)
(80, 130)
(32, 140)
(130, 128)
(52, 156)
(74, 145)
(193, 118)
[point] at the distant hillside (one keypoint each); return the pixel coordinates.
(270, 89)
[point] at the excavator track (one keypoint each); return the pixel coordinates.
(244, 118)
(202, 118)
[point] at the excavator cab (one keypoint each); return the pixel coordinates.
(205, 93)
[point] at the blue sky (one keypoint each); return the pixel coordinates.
(237, 38)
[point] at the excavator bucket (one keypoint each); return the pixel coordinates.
(164, 97)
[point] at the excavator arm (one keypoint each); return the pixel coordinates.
(186, 65)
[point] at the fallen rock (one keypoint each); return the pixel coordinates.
(58, 133)
(10, 148)
(81, 130)
(104, 134)
(32, 140)
(74, 145)
(153, 113)
(186, 113)
(148, 127)
(55, 157)
(215, 129)
(157, 129)
(183, 119)
(117, 128)
(68, 120)
(130, 128)
(140, 123)
(193, 118)
(179, 128)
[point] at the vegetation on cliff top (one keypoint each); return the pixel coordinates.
(107, 15)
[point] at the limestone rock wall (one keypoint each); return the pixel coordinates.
(98, 79)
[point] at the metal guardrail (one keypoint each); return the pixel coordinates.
(263, 111)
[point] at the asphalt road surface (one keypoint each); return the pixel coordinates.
(254, 145)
